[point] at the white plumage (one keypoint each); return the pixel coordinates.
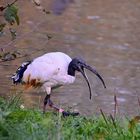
(51, 70)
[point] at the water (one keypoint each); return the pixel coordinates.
(104, 33)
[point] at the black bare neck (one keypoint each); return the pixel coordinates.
(71, 70)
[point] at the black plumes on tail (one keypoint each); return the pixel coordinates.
(17, 77)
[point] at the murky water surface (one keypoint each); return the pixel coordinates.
(105, 33)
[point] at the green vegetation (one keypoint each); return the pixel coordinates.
(18, 123)
(10, 15)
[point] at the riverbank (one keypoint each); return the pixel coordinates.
(19, 123)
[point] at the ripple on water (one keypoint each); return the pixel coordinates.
(123, 91)
(119, 100)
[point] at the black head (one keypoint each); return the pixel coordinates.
(77, 64)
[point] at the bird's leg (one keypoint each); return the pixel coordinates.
(47, 100)
(64, 113)
(54, 107)
(50, 103)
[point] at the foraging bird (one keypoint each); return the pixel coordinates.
(52, 70)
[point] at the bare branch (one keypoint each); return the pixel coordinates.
(3, 8)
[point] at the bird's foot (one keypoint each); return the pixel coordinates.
(65, 114)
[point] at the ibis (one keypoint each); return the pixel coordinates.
(52, 70)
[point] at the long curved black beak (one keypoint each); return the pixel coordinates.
(86, 78)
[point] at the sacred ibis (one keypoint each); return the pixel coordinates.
(52, 70)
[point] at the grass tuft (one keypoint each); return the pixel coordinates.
(19, 123)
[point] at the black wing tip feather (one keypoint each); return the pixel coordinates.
(17, 77)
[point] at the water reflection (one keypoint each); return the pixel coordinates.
(58, 6)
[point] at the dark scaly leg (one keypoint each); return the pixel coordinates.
(48, 101)
(64, 113)
(54, 106)
(45, 102)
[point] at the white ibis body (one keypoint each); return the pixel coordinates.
(51, 70)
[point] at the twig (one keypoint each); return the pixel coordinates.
(24, 35)
(38, 4)
(3, 8)
(115, 106)
(14, 59)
